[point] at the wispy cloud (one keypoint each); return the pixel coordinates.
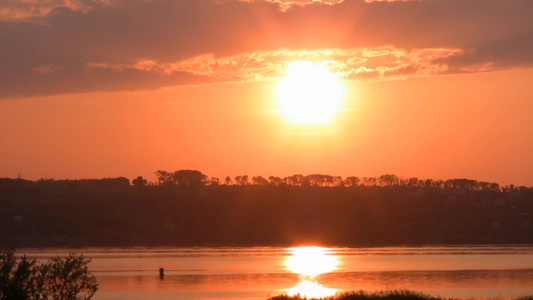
(381, 63)
(27, 10)
(370, 1)
(285, 5)
(15, 10)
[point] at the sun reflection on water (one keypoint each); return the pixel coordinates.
(309, 262)
(310, 289)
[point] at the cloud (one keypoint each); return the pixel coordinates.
(46, 69)
(285, 5)
(370, 1)
(33, 10)
(27, 10)
(382, 63)
(90, 45)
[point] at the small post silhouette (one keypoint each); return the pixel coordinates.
(161, 273)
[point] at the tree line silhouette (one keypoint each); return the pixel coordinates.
(186, 207)
(195, 178)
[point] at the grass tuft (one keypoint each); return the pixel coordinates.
(380, 295)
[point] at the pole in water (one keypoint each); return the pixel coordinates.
(161, 273)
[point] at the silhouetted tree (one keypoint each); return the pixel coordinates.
(524, 189)
(372, 181)
(337, 181)
(352, 181)
(388, 180)
(484, 186)
(295, 180)
(461, 184)
(259, 180)
(438, 184)
(228, 181)
(214, 181)
(163, 177)
(69, 278)
(120, 181)
(315, 180)
(139, 182)
(60, 278)
(189, 178)
(16, 278)
(329, 180)
(275, 181)
(241, 180)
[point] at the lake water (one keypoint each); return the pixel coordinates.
(262, 272)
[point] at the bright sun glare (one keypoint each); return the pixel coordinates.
(311, 261)
(309, 93)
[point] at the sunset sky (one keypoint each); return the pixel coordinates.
(105, 88)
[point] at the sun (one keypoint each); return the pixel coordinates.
(309, 93)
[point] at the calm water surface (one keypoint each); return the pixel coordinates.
(262, 272)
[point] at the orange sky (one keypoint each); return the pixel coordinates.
(434, 89)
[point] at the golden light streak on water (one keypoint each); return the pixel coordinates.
(309, 289)
(309, 262)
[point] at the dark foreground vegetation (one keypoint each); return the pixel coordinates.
(187, 208)
(58, 279)
(382, 295)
